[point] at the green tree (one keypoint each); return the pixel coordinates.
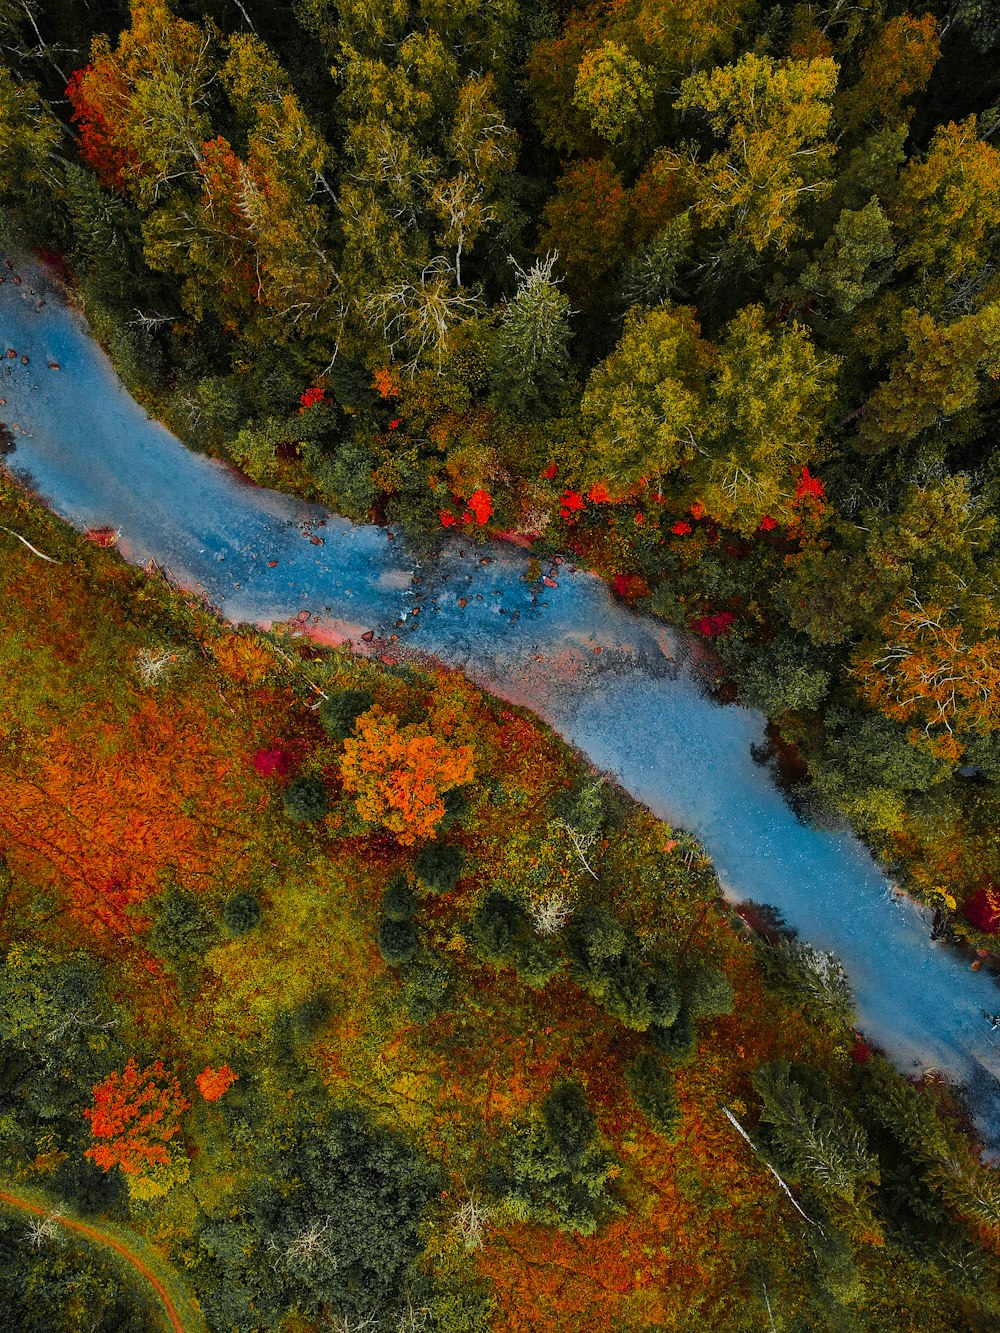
(613, 91)
(341, 709)
(438, 866)
(740, 420)
(653, 273)
(821, 1141)
(830, 594)
(57, 1030)
(397, 940)
(708, 993)
(811, 978)
(535, 960)
(306, 800)
(496, 927)
(48, 1281)
(857, 259)
(241, 912)
(399, 901)
(780, 676)
(333, 1224)
(645, 404)
(607, 964)
(183, 928)
(652, 1088)
(428, 982)
(531, 360)
(554, 1169)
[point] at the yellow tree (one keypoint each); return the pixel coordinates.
(894, 67)
(770, 396)
(773, 120)
(677, 36)
(947, 209)
(252, 243)
(736, 423)
(244, 230)
(29, 136)
(399, 774)
(613, 91)
(143, 105)
(645, 404)
(421, 144)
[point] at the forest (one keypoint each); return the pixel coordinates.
(348, 990)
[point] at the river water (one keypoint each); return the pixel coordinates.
(612, 683)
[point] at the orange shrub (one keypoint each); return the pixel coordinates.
(398, 775)
(213, 1083)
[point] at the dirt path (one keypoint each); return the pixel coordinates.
(192, 1323)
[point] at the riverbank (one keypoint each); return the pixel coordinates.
(96, 455)
(304, 1008)
(939, 876)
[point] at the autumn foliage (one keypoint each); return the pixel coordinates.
(895, 67)
(96, 93)
(135, 1113)
(933, 672)
(213, 1083)
(104, 815)
(398, 774)
(982, 910)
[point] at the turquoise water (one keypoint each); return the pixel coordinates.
(90, 451)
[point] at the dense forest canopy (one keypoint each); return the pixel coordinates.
(706, 293)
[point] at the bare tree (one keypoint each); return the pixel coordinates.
(33, 549)
(153, 664)
(743, 1133)
(472, 1220)
(43, 1229)
(150, 323)
(581, 842)
(416, 317)
(413, 1319)
(348, 1324)
(550, 913)
(314, 1243)
(459, 204)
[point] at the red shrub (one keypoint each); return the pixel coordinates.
(273, 763)
(983, 910)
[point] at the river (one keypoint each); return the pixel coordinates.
(611, 682)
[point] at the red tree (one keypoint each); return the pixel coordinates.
(97, 95)
(983, 910)
(135, 1113)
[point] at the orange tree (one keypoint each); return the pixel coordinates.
(932, 671)
(398, 775)
(134, 1115)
